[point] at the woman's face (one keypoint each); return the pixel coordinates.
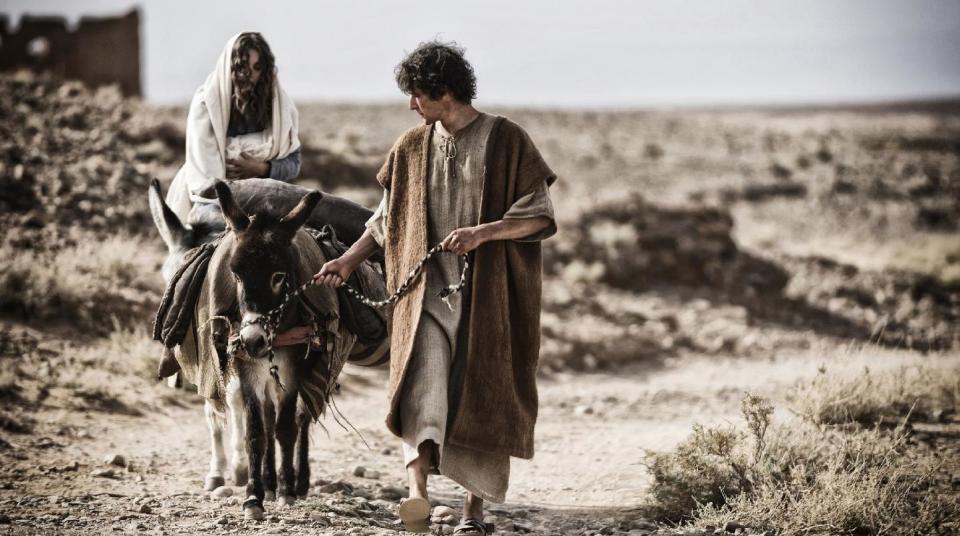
(253, 62)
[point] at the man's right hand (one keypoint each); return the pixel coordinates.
(333, 273)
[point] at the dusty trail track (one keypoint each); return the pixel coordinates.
(588, 475)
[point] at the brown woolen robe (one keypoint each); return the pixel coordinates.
(497, 406)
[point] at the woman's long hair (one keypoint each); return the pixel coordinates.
(256, 99)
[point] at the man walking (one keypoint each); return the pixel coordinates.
(462, 391)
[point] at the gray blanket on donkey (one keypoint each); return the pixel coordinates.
(345, 217)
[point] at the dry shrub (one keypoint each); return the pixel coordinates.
(113, 372)
(799, 479)
(704, 469)
(125, 352)
(928, 390)
(86, 284)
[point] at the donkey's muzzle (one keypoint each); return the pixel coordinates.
(253, 338)
(256, 346)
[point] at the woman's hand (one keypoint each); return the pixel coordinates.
(246, 168)
(294, 335)
(333, 273)
(463, 240)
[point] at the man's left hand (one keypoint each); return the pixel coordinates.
(463, 240)
(246, 168)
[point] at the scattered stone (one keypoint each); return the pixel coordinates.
(103, 473)
(221, 492)
(359, 470)
(391, 493)
(70, 467)
(334, 487)
(115, 459)
(443, 510)
(386, 451)
(733, 526)
(145, 509)
(223, 520)
(373, 475)
(134, 527)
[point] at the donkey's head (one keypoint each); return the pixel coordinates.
(179, 236)
(261, 261)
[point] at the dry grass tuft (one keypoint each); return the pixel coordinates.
(87, 284)
(928, 390)
(803, 478)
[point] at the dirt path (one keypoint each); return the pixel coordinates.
(587, 477)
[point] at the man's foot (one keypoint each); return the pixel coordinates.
(473, 527)
(415, 513)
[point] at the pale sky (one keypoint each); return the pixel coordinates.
(599, 53)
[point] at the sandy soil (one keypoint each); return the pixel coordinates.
(588, 475)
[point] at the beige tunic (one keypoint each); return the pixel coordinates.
(454, 189)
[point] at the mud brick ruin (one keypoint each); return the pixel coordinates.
(46, 44)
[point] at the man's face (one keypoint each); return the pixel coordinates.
(429, 109)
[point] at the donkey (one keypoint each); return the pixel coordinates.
(262, 264)
(179, 238)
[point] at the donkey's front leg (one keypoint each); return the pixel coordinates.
(237, 414)
(218, 458)
(287, 437)
(270, 449)
(253, 506)
(303, 454)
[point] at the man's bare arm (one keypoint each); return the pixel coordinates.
(462, 241)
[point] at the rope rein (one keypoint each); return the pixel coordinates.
(444, 294)
(270, 322)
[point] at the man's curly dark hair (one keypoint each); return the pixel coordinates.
(435, 68)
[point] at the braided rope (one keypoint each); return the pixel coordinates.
(408, 282)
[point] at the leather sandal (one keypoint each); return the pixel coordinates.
(473, 527)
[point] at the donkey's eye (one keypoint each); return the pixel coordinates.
(277, 279)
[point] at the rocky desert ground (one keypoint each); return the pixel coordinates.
(750, 324)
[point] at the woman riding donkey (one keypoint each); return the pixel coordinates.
(241, 125)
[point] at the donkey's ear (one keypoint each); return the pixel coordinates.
(172, 230)
(235, 215)
(300, 213)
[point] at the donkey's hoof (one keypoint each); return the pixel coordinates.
(253, 513)
(269, 495)
(213, 482)
(253, 509)
(286, 500)
(240, 476)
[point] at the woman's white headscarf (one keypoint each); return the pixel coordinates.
(207, 123)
